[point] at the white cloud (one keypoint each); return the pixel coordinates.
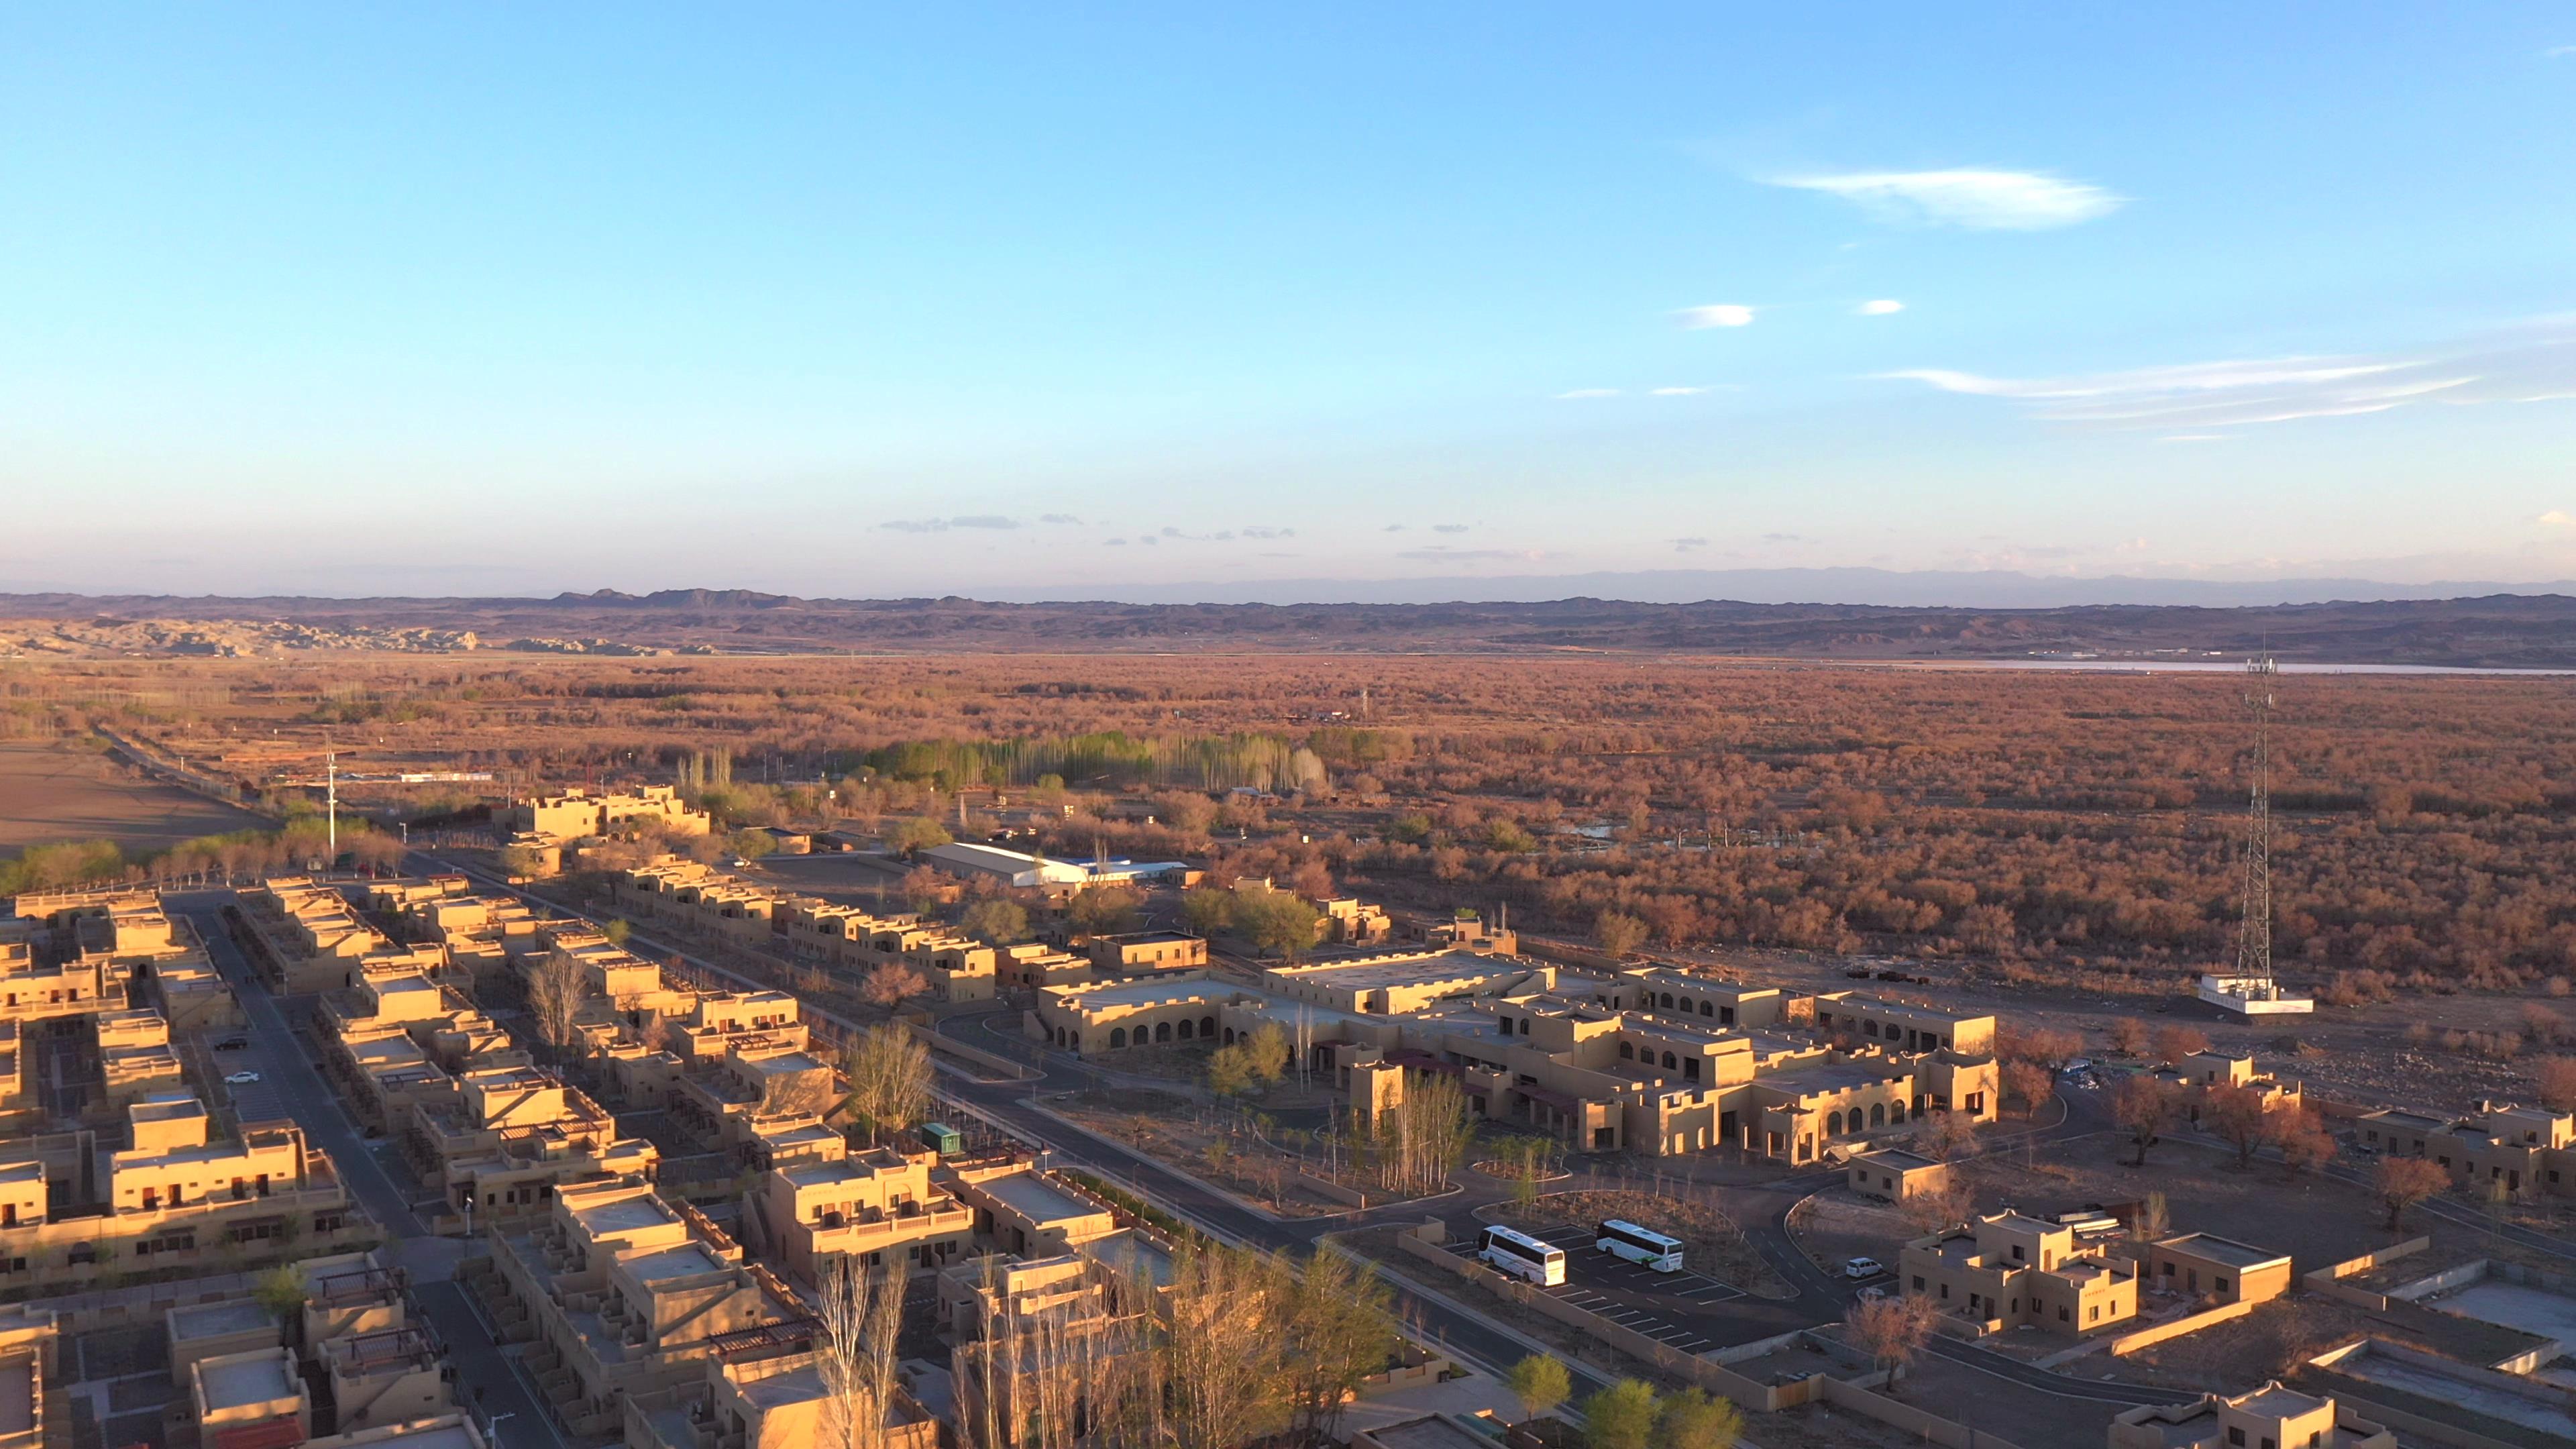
(1880, 307)
(2193, 438)
(1587, 392)
(2559, 52)
(2556, 518)
(2533, 362)
(1677, 392)
(1716, 314)
(1978, 200)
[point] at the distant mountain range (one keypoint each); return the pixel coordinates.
(2493, 630)
(1972, 589)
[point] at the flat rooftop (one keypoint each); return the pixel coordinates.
(1431, 1431)
(625, 1215)
(796, 1386)
(1410, 970)
(687, 1260)
(1035, 1198)
(1813, 1077)
(2280, 1403)
(1147, 991)
(2416, 1120)
(2223, 1250)
(1897, 1158)
(235, 1381)
(220, 1320)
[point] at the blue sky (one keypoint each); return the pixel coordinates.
(531, 298)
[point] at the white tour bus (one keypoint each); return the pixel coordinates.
(1639, 1245)
(1522, 1256)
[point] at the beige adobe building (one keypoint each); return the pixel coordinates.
(625, 1294)
(576, 814)
(2231, 1272)
(307, 938)
(1896, 1175)
(826, 1205)
(2201, 1073)
(1570, 1060)
(1135, 953)
(761, 1389)
(27, 1363)
(2007, 1270)
(2516, 1150)
(509, 1138)
(171, 1198)
(2270, 1417)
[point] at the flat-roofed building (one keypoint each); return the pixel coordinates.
(576, 814)
(193, 996)
(1905, 1027)
(1034, 966)
(27, 1339)
(2232, 1272)
(2270, 1417)
(510, 1137)
(1025, 1211)
(1136, 953)
(244, 1398)
(1896, 1175)
(760, 1080)
(385, 1376)
(628, 1295)
(764, 1388)
(2011, 1270)
(815, 1209)
(1673, 991)
(308, 938)
(2517, 1151)
(215, 1330)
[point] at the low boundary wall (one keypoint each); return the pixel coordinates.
(2328, 1279)
(2177, 1327)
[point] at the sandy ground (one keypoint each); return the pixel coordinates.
(51, 792)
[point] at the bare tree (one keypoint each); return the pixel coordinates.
(860, 1312)
(888, 1069)
(555, 990)
(2143, 1107)
(1222, 1349)
(1892, 1329)
(2150, 1220)
(1425, 1137)
(2239, 1117)
(1945, 1135)
(892, 984)
(2174, 1041)
(1935, 1208)
(2402, 1182)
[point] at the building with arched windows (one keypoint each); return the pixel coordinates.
(1601, 1065)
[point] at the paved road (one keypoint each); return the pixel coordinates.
(290, 1086)
(1763, 1209)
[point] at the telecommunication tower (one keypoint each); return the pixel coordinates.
(2254, 935)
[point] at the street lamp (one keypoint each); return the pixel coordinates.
(492, 1428)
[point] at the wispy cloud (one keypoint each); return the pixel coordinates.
(2556, 518)
(1784, 538)
(1394, 528)
(1267, 532)
(1976, 199)
(942, 525)
(1685, 545)
(2559, 52)
(1679, 391)
(2193, 438)
(1879, 307)
(2535, 362)
(1716, 314)
(1581, 393)
(1448, 528)
(1057, 518)
(1472, 555)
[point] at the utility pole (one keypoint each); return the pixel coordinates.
(2254, 937)
(331, 794)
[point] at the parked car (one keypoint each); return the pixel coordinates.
(1859, 1268)
(241, 1079)
(233, 1044)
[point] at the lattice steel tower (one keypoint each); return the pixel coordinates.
(2254, 933)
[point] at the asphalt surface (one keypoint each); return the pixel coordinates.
(291, 1086)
